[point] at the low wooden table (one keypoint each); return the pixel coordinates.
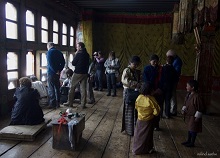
(61, 138)
(22, 132)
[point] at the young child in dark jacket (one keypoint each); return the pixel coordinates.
(192, 111)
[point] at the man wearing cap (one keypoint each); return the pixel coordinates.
(177, 64)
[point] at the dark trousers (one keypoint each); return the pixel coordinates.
(111, 83)
(167, 100)
(99, 79)
(159, 99)
(90, 90)
(53, 82)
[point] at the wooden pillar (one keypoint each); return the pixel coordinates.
(205, 65)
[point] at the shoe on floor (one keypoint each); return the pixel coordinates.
(108, 94)
(74, 106)
(66, 104)
(113, 95)
(185, 143)
(157, 129)
(95, 89)
(84, 107)
(190, 145)
(91, 102)
(151, 151)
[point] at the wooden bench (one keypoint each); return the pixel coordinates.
(22, 132)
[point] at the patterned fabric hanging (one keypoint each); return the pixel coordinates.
(189, 18)
(213, 10)
(199, 13)
(182, 15)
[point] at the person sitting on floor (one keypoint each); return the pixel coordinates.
(41, 88)
(26, 110)
(64, 89)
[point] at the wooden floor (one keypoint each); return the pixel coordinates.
(102, 136)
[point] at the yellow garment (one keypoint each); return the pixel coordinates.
(147, 107)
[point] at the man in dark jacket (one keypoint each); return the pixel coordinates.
(81, 63)
(177, 64)
(55, 64)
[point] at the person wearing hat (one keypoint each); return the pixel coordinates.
(177, 64)
(152, 75)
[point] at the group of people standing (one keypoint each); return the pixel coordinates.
(145, 93)
(150, 95)
(87, 71)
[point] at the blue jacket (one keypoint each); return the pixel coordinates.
(55, 61)
(177, 64)
(151, 75)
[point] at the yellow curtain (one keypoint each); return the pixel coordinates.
(143, 40)
(87, 35)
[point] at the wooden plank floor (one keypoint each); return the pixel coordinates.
(102, 136)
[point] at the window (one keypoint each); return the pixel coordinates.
(29, 64)
(64, 35)
(44, 29)
(12, 69)
(11, 21)
(55, 32)
(71, 36)
(30, 31)
(69, 64)
(43, 65)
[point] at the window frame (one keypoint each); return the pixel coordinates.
(31, 26)
(12, 21)
(43, 29)
(14, 70)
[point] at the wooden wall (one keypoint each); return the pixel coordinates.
(47, 8)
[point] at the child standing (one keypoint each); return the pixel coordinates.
(147, 108)
(192, 109)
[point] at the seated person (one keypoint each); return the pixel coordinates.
(64, 89)
(41, 88)
(63, 75)
(26, 110)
